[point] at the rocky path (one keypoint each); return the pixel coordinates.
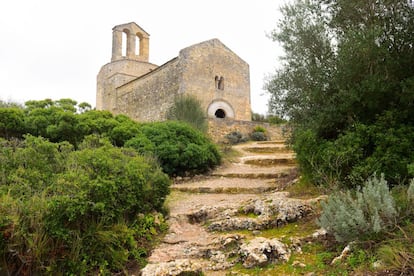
(243, 195)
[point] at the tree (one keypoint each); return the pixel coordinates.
(11, 122)
(348, 65)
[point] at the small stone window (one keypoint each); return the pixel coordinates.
(219, 82)
(220, 113)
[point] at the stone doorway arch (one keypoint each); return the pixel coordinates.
(220, 109)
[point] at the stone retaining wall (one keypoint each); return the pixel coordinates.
(219, 128)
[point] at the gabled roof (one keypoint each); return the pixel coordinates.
(134, 27)
(215, 42)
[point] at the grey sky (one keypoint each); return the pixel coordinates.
(54, 49)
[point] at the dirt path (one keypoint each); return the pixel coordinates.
(195, 205)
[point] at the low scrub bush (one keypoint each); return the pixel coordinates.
(70, 211)
(258, 136)
(236, 137)
(179, 148)
(370, 211)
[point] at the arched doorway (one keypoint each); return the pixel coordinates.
(220, 109)
(220, 113)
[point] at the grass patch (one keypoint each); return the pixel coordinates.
(301, 228)
(314, 255)
(304, 189)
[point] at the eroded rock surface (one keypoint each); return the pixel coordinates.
(261, 251)
(197, 240)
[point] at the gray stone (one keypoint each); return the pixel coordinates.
(298, 264)
(344, 254)
(261, 251)
(172, 268)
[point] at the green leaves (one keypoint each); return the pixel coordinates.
(179, 148)
(371, 211)
(58, 205)
(188, 109)
(347, 63)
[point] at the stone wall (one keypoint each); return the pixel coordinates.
(113, 75)
(201, 64)
(219, 128)
(148, 98)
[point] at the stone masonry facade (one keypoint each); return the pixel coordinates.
(209, 71)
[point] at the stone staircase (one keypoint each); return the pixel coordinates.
(262, 167)
(204, 209)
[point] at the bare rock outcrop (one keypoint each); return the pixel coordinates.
(177, 267)
(261, 251)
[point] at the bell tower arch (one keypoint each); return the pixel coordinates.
(134, 34)
(124, 67)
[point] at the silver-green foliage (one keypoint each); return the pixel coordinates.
(410, 192)
(351, 217)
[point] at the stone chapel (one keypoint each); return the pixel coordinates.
(210, 71)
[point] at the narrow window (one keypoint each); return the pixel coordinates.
(221, 83)
(220, 113)
(216, 79)
(137, 46)
(124, 43)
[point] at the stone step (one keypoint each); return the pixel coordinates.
(288, 160)
(272, 142)
(228, 185)
(263, 147)
(257, 175)
(267, 149)
(254, 172)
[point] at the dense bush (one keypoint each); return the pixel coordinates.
(179, 148)
(384, 146)
(258, 136)
(76, 211)
(371, 211)
(347, 85)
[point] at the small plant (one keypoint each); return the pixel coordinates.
(371, 211)
(397, 253)
(410, 192)
(236, 137)
(259, 129)
(188, 109)
(258, 136)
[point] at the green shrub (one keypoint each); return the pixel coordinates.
(179, 148)
(275, 120)
(258, 136)
(11, 122)
(357, 153)
(259, 129)
(74, 212)
(371, 211)
(410, 192)
(141, 144)
(187, 108)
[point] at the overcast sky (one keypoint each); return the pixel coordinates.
(54, 49)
